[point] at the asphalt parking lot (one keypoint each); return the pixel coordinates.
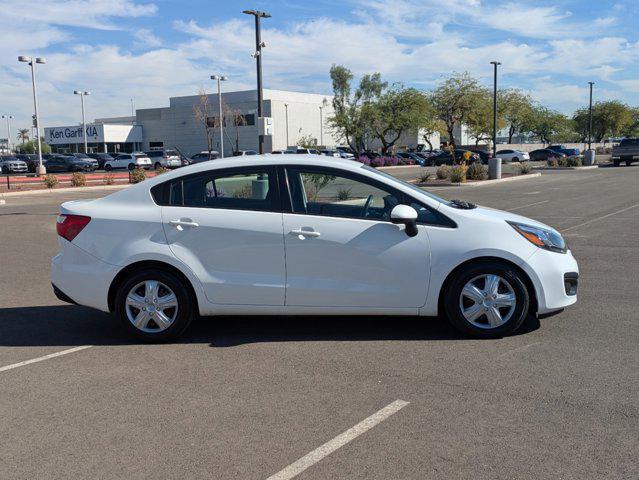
(248, 397)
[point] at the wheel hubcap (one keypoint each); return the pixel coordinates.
(151, 306)
(487, 301)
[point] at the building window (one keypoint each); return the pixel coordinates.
(156, 145)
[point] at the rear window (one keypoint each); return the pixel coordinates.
(154, 153)
(140, 155)
(172, 153)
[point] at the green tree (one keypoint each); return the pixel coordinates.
(454, 99)
(23, 134)
(307, 141)
(32, 147)
(549, 125)
(431, 124)
(609, 119)
(347, 120)
(480, 119)
(394, 112)
(514, 107)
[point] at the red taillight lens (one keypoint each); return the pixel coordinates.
(68, 226)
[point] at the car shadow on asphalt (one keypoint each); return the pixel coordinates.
(69, 325)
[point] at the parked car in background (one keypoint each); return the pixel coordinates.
(509, 155)
(279, 152)
(242, 153)
(331, 153)
(445, 157)
(87, 158)
(203, 157)
(129, 161)
(345, 152)
(10, 164)
(31, 159)
(164, 158)
(626, 151)
(69, 163)
(568, 151)
(101, 158)
(304, 151)
(418, 159)
(212, 240)
(484, 155)
(545, 154)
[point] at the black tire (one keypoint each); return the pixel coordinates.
(131, 166)
(453, 293)
(185, 305)
(628, 162)
(108, 168)
(616, 162)
(515, 159)
(5, 170)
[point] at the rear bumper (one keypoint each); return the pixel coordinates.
(81, 278)
(555, 278)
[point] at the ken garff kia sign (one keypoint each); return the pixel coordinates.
(62, 135)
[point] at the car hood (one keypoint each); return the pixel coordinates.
(494, 214)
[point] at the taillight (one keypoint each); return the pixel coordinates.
(68, 226)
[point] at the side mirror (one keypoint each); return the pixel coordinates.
(407, 216)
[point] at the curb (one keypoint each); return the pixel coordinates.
(399, 166)
(480, 183)
(586, 167)
(43, 191)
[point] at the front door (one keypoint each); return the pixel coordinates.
(341, 248)
(227, 227)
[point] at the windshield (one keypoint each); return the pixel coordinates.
(410, 185)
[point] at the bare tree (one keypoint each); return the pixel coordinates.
(203, 112)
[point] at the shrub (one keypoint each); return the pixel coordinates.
(344, 194)
(424, 177)
(443, 172)
(458, 173)
(573, 161)
(161, 170)
(391, 161)
(477, 171)
(78, 179)
(50, 180)
(363, 159)
(525, 168)
(137, 175)
(552, 162)
(108, 179)
(377, 162)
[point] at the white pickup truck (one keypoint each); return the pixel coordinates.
(627, 151)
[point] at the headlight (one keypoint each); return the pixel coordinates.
(542, 237)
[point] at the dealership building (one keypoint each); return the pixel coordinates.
(187, 123)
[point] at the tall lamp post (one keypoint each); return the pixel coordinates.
(321, 126)
(84, 124)
(590, 117)
(32, 62)
(286, 112)
(8, 117)
(258, 60)
(494, 63)
(220, 78)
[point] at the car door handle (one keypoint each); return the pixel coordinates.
(305, 233)
(180, 224)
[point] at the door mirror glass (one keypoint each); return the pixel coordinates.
(405, 215)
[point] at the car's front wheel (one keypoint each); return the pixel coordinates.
(487, 300)
(154, 305)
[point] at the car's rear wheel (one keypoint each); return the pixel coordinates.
(515, 159)
(154, 305)
(108, 167)
(487, 300)
(5, 170)
(131, 166)
(628, 162)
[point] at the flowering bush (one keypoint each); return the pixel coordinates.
(390, 161)
(363, 159)
(50, 180)
(377, 162)
(137, 175)
(78, 179)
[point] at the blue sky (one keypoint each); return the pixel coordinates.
(150, 50)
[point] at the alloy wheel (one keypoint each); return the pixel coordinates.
(151, 306)
(487, 301)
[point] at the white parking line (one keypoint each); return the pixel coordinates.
(601, 218)
(525, 206)
(342, 439)
(45, 357)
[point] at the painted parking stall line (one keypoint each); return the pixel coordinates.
(43, 358)
(342, 439)
(601, 218)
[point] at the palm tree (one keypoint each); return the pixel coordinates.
(23, 134)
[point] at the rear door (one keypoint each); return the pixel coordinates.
(226, 225)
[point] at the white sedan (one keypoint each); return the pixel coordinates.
(129, 161)
(513, 156)
(295, 235)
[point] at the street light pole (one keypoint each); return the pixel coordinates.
(220, 78)
(590, 117)
(494, 63)
(84, 124)
(32, 62)
(8, 117)
(321, 126)
(258, 59)
(286, 111)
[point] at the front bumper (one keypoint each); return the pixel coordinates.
(555, 278)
